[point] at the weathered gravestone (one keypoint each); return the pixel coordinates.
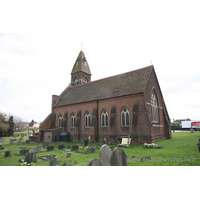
(22, 152)
(11, 142)
(1, 147)
(28, 141)
(74, 147)
(85, 142)
(95, 162)
(49, 148)
(30, 157)
(105, 153)
(7, 154)
(62, 146)
(118, 157)
(53, 160)
(45, 145)
(91, 149)
(68, 154)
(2, 140)
(37, 149)
(19, 142)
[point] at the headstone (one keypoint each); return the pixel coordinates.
(105, 153)
(74, 147)
(49, 148)
(28, 141)
(86, 142)
(68, 154)
(62, 146)
(1, 147)
(2, 140)
(118, 157)
(22, 152)
(37, 149)
(45, 145)
(19, 142)
(104, 140)
(95, 162)
(7, 154)
(53, 161)
(30, 157)
(91, 149)
(11, 142)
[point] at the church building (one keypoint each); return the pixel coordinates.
(126, 105)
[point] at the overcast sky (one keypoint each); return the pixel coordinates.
(40, 42)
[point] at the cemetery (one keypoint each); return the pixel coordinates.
(182, 150)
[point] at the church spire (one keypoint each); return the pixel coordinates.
(81, 71)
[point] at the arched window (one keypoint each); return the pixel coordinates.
(125, 117)
(60, 121)
(104, 118)
(87, 119)
(76, 81)
(154, 108)
(73, 120)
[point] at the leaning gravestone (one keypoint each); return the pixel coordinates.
(74, 147)
(49, 148)
(95, 162)
(7, 154)
(30, 157)
(105, 153)
(118, 157)
(62, 146)
(37, 149)
(19, 142)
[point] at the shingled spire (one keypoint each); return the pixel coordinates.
(81, 71)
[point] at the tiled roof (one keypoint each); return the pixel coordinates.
(123, 84)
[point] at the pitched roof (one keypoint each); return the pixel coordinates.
(123, 84)
(81, 64)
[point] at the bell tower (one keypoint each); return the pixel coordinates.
(81, 71)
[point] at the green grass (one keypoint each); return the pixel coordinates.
(181, 150)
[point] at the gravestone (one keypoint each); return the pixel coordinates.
(11, 142)
(91, 149)
(37, 149)
(74, 147)
(68, 154)
(1, 147)
(19, 142)
(95, 162)
(30, 157)
(7, 154)
(22, 152)
(45, 145)
(49, 148)
(118, 157)
(28, 141)
(105, 153)
(62, 146)
(53, 160)
(104, 140)
(85, 142)
(2, 140)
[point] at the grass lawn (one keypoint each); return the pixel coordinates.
(181, 150)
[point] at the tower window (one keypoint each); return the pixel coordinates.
(85, 62)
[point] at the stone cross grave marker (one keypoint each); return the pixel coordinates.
(118, 157)
(105, 153)
(95, 162)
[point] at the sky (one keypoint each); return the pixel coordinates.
(40, 41)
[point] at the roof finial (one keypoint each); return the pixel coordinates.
(81, 46)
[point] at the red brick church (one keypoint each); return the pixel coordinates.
(126, 105)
